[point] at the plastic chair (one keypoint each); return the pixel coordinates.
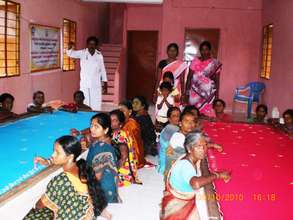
(253, 91)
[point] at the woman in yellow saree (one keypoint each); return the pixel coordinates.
(127, 171)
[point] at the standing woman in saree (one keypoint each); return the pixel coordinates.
(179, 202)
(202, 80)
(177, 67)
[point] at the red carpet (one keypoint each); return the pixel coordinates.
(261, 160)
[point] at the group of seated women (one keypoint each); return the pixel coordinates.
(116, 150)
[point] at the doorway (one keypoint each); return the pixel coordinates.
(141, 63)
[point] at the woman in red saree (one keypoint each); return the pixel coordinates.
(202, 80)
(178, 202)
(177, 67)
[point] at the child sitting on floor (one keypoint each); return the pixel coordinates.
(164, 102)
(261, 113)
(38, 106)
(6, 102)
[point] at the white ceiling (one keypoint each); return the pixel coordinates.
(128, 1)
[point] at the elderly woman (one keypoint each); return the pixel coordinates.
(179, 195)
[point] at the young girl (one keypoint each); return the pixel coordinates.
(102, 156)
(73, 194)
(140, 107)
(127, 171)
(169, 77)
(132, 127)
(164, 102)
(173, 115)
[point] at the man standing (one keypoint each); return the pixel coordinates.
(93, 76)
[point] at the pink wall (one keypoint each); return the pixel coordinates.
(91, 20)
(279, 89)
(240, 23)
(144, 17)
(116, 23)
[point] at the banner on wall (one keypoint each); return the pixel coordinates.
(45, 48)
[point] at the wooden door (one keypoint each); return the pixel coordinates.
(141, 63)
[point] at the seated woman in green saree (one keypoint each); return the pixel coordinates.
(74, 193)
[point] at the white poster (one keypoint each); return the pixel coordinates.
(45, 48)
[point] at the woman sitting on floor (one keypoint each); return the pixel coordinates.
(37, 106)
(261, 113)
(176, 144)
(132, 127)
(179, 196)
(288, 121)
(197, 115)
(78, 97)
(287, 126)
(148, 134)
(102, 156)
(6, 105)
(173, 115)
(219, 107)
(74, 193)
(77, 105)
(127, 171)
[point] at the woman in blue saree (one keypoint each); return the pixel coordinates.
(173, 115)
(102, 156)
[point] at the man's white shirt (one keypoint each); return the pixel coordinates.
(92, 68)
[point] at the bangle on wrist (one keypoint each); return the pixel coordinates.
(50, 161)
